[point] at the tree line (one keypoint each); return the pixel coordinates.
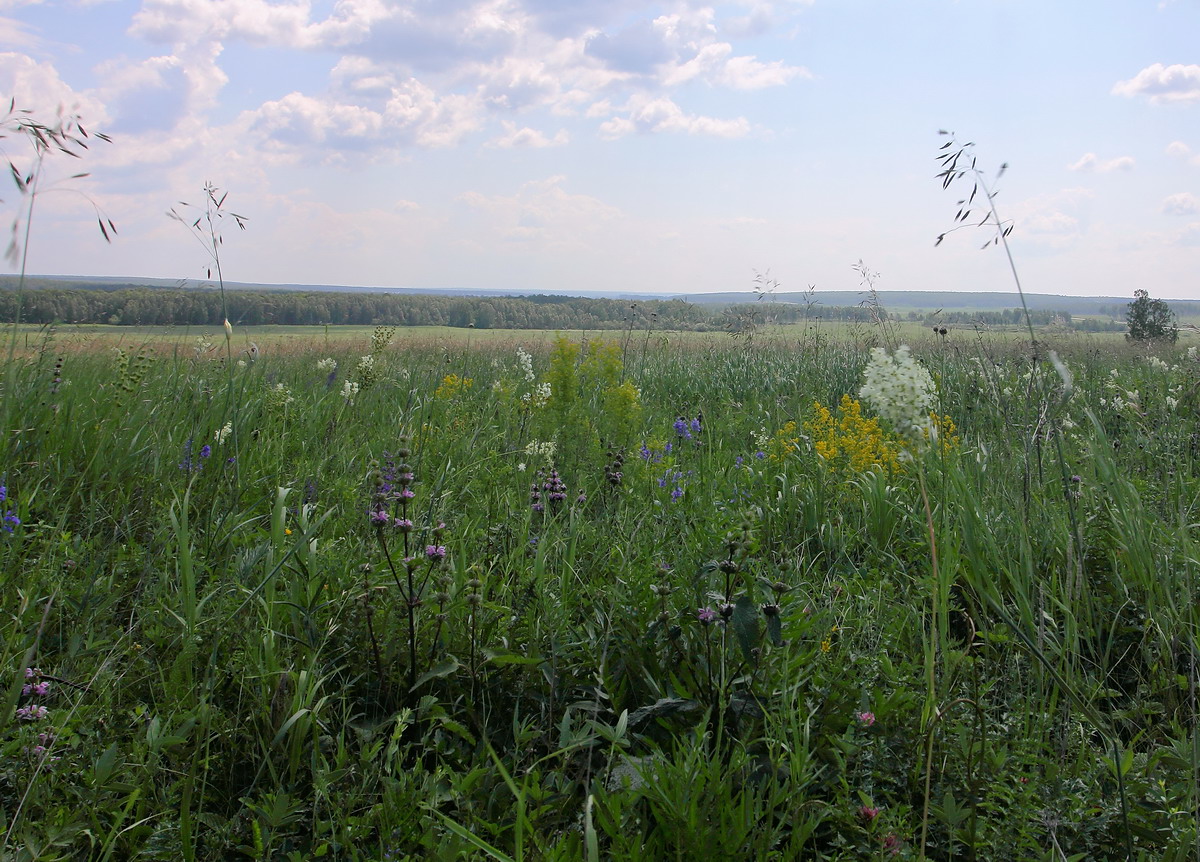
(164, 306)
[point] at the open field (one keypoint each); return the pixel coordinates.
(473, 594)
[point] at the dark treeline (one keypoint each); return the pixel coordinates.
(202, 307)
(149, 306)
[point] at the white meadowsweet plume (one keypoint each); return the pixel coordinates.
(223, 433)
(901, 391)
(525, 365)
(327, 364)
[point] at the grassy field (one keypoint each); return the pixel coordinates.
(458, 594)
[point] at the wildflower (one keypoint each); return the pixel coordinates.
(205, 451)
(228, 328)
(525, 363)
(868, 812)
(681, 429)
(404, 525)
(349, 389)
(435, 552)
(891, 843)
(521, 467)
(33, 712)
(706, 616)
(223, 433)
(327, 364)
(867, 718)
(35, 689)
(379, 517)
(901, 390)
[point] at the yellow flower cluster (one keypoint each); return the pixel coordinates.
(453, 386)
(785, 443)
(850, 441)
(944, 433)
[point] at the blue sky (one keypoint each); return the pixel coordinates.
(684, 146)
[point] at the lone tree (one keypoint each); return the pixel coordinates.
(1150, 320)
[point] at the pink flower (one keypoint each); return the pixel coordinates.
(867, 718)
(892, 842)
(868, 812)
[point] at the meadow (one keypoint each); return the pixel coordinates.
(405, 594)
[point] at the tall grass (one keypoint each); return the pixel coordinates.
(235, 672)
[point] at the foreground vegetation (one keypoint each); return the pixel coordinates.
(611, 599)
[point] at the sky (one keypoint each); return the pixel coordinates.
(654, 147)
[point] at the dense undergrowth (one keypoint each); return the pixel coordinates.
(656, 601)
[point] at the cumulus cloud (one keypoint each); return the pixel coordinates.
(1163, 84)
(1089, 163)
(411, 114)
(526, 137)
(544, 212)
(1053, 221)
(1180, 150)
(1183, 203)
(646, 114)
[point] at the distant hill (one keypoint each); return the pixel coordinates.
(903, 301)
(896, 301)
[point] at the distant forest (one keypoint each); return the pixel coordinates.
(153, 306)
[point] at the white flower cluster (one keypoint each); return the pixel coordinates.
(901, 391)
(1157, 364)
(279, 396)
(223, 433)
(525, 365)
(539, 397)
(327, 364)
(349, 390)
(534, 449)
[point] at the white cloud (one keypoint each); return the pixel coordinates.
(1163, 84)
(1183, 203)
(649, 114)
(527, 137)
(1189, 236)
(1180, 150)
(411, 114)
(36, 86)
(543, 212)
(1053, 221)
(1089, 163)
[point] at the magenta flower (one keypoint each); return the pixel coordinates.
(707, 615)
(435, 552)
(32, 713)
(867, 718)
(868, 812)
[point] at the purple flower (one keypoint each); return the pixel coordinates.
(205, 450)
(695, 425)
(380, 517)
(676, 493)
(760, 455)
(435, 552)
(681, 428)
(404, 525)
(36, 689)
(406, 494)
(707, 615)
(32, 712)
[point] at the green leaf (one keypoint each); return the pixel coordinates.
(662, 706)
(501, 657)
(745, 626)
(443, 668)
(775, 629)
